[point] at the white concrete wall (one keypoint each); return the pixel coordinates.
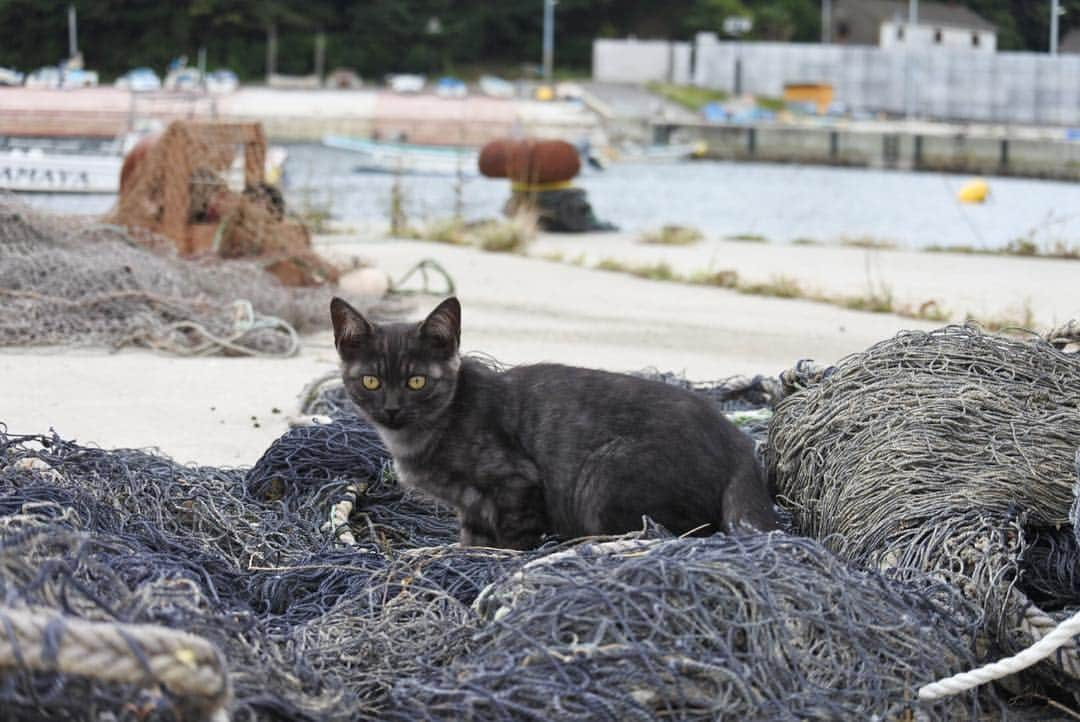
(944, 83)
(682, 63)
(631, 60)
(925, 36)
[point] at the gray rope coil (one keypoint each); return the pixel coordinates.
(41, 640)
(1065, 337)
(946, 452)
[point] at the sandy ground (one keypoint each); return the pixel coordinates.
(221, 411)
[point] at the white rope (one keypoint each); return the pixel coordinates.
(1061, 635)
(338, 524)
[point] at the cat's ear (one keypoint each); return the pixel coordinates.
(442, 327)
(349, 325)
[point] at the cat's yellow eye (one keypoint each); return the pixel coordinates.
(417, 382)
(371, 383)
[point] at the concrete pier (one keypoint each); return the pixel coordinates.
(984, 150)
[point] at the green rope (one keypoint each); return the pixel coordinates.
(423, 267)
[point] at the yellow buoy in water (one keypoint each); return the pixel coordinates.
(974, 191)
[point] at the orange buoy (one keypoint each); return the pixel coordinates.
(542, 161)
(493, 156)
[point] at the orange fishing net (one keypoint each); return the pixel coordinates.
(202, 184)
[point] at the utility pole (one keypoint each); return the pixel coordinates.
(320, 54)
(73, 35)
(1054, 13)
(271, 50)
(826, 22)
(909, 81)
(549, 38)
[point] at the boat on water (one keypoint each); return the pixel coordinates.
(60, 165)
(657, 153)
(86, 165)
(377, 156)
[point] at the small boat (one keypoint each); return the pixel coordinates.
(71, 165)
(376, 156)
(657, 153)
(62, 166)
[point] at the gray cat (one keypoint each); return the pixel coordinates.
(545, 449)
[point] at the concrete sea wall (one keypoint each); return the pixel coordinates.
(294, 115)
(899, 146)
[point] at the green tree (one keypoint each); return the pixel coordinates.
(381, 36)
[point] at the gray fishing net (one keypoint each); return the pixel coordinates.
(78, 281)
(403, 624)
(952, 453)
(930, 482)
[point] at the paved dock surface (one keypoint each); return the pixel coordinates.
(221, 411)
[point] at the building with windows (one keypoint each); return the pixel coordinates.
(884, 23)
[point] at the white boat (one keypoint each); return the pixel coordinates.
(376, 156)
(657, 153)
(406, 83)
(28, 166)
(73, 166)
(496, 87)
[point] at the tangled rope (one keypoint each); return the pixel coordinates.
(751, 628)
(951, 452)
(184, 664)
(423, 267)
(1063, 634)
(67, 281)
(930, 483)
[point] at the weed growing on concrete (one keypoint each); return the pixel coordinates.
(316, 213)
(869, 242)
(689, 96)
(659, 271)
(1024, 320)
(399, 223)
(722, 279)
(512, 235)
(779, 286)
(446, 230)
(748, 238)
(927, 311)
(1059, 249)
(672, 235)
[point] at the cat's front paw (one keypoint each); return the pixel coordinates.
(473, 537)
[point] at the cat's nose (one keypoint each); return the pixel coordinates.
(391, 414)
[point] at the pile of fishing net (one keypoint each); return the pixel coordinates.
(316, 588)
(77, 281)
(953, 453)
(203, 185)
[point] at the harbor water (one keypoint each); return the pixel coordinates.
(778, 203)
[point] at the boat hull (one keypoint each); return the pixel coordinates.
(380, 157)
(30, 172)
